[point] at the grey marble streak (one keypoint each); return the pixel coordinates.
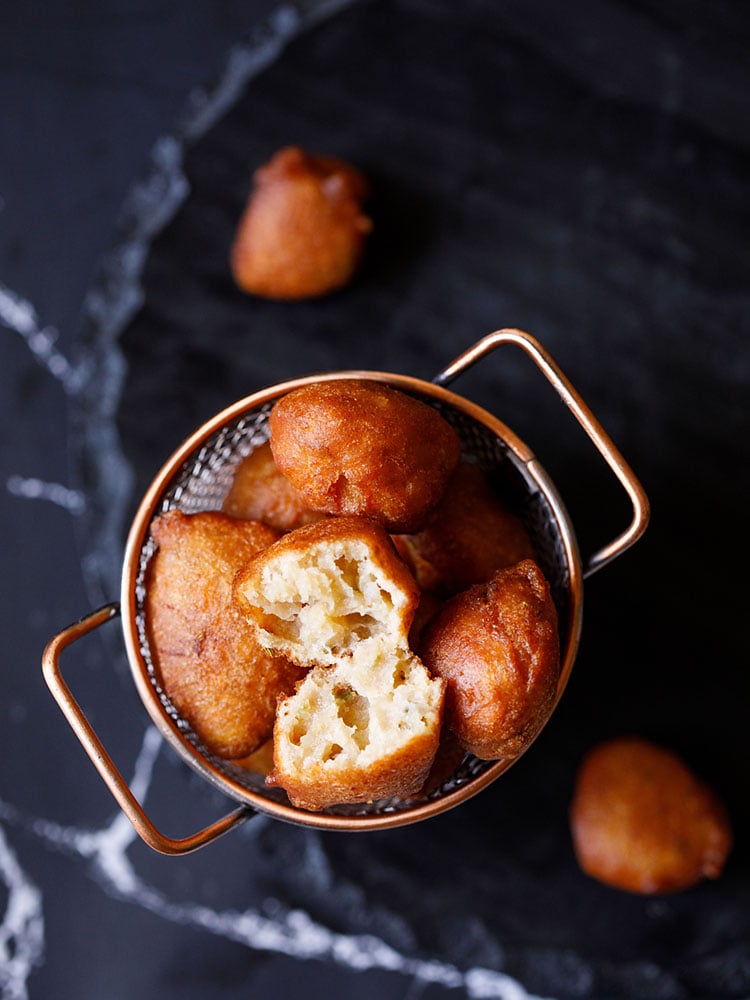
(273, 928)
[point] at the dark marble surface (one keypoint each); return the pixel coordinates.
(580, 172)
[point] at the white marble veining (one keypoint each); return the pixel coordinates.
(31, 488)
(275, 928)
(22, 926)
(664, 270)
(19, 314)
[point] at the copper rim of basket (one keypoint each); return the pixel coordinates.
(190, 753)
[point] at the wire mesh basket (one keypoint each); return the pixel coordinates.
(198, 477)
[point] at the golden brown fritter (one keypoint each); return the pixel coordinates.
(643, 822)
(205, 654)
(394, 764)
(468, 536)
(303, 231)
(260, 492)
(497, 646)
(326, 589)
(356, 447)
(364, 723)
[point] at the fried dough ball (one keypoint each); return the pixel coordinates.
(205, 654)
(303, 231)
(497, 646)
(358, 732)
(356, 447)
(260, 492)
(468, 536)
(327, 591)
(364, 722)
(643, 822)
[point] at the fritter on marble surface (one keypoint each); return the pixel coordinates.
(302, 234)
(641, 821)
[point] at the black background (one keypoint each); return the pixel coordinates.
(579, 172)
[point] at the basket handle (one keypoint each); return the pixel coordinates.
(101, 759)
(585, 418)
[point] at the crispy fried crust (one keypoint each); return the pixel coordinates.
(643, 822)
(400, 774)
(497, 646)
(303, 231)
(260, 492)
(355, 447)
(468, 536)
(204, 652)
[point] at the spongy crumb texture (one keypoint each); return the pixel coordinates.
(365, 721)
(330, 590)
(358, 732)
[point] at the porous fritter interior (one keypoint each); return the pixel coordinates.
(364, 723)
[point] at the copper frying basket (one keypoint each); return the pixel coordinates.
(198, 476)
